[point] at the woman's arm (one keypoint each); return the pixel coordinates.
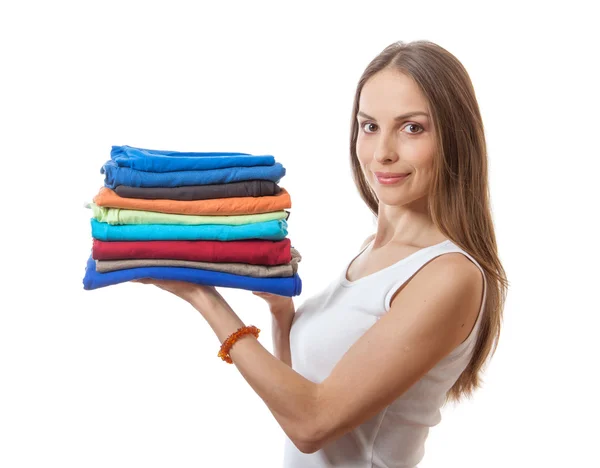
(291, 398)
(283, 311)
(281, 325)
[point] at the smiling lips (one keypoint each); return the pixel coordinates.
(390, 177)
(390, 174)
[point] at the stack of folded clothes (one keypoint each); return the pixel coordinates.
(217, 219)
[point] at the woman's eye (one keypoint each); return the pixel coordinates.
(412, 125)
(366, 124)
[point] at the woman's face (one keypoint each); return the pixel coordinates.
(389, 142)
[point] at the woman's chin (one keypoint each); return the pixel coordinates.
(390, 199)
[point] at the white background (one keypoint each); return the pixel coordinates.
(128, 375)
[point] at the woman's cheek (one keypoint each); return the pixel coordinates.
(362, 152)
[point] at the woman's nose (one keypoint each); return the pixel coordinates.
(386, 154)
(385, 150)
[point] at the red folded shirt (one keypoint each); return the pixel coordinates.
(253, 251)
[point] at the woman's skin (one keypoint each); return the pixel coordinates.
(312, 414)
(385, 144)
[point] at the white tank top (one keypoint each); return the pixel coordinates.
(327, 325)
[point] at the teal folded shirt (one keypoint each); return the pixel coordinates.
(271, 230)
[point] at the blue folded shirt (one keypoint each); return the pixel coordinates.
(275, 229)
(286, 286)
(151, 160)
(115, 175)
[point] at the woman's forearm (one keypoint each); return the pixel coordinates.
(281, 325)
(292, 398)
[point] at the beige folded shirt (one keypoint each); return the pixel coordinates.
(243, 269)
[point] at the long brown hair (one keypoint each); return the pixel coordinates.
(459, 201)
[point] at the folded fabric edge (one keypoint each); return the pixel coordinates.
(90, 284)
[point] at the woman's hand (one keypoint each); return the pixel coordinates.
(198, 295)
(202, 296)
(280, 305)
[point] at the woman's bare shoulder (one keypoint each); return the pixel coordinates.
(367, 240)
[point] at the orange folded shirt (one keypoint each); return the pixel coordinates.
(216, 206)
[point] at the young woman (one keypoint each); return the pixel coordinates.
(362, 369)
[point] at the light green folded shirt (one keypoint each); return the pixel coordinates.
(124, 216)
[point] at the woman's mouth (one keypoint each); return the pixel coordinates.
(390, 180)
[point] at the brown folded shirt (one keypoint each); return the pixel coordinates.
(243, 269)
(221, 206)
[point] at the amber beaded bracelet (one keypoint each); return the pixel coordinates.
(231, 339)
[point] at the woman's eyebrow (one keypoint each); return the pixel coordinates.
(400, 117)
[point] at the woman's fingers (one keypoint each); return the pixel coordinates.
(262, 294)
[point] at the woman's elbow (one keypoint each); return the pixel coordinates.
(306, 446)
